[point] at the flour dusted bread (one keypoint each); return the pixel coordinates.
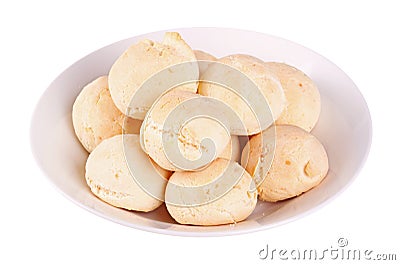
(95, 116)
(111, 179)
(302, 95)
(141, 62)
(235, 204)
(261, 79)
(299, 162)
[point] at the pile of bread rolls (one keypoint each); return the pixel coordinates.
(130, 163)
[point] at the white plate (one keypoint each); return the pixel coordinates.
(344, 128)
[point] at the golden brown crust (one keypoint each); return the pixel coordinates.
(95, 117)
(110, 178)
(303, 98)
(267, 83)
(299, 162)
(143, 60)
(190, 136)
(234, 206)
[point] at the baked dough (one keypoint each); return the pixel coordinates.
(264, 80)
(190, 136)
(299, 162)
(232, 150)
(110, 178)
(303, 98)
(202, 55)
(205, 60)
(235, 205)
(95, 117)
(141, 62)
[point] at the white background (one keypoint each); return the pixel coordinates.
(39, 39)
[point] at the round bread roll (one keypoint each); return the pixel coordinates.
(267, 83)
(236, 203)
(189, 137)
(110, 177)
(303, 98)
(142, 61)
(205, 59)
(232, 150)
(95, 117)
(299, 162)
